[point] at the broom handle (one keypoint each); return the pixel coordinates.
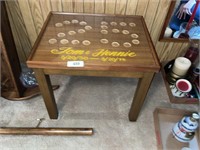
(192, 16)
(46, 131)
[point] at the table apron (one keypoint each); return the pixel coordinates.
(94, 73)
(144, 83)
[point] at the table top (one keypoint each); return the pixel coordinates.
(94, 42)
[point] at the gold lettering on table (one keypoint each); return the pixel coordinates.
(112, 59)
(68, 51)
(104, 55)
(69, 57)
(87, 52)
(103, 52)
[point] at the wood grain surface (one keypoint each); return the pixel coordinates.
(110, 6)
(67, 5)
(28, 21)
(159, 19)
(89, 6)
(100, 7)
(18, 30)
(120, 7)
(96, 55)
(56, 5)
(151, 12)
(154, 12)
(78, 6)
(131, 7)
(46, 8)
(142, 7)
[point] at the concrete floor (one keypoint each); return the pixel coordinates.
(100, 103)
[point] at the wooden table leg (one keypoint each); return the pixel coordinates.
(140, 94)
(47, 93)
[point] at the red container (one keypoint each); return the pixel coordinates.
(193, 50)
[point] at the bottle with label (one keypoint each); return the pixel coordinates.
(184, 130)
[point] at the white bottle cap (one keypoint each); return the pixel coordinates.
(195, 116)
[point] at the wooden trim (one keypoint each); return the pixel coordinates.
(171, 9)
(94, 73)
(167, 19)
(46, 131)
(150, 41)
(157, 128)
(178, 40)
(11, 52)
(39, 36)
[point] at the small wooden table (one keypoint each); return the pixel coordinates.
(94, 45)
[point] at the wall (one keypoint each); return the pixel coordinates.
(27, 17)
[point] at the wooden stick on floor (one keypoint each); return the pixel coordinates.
(46, 131)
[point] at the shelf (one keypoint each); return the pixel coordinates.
(174, 99)
(164, 120)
